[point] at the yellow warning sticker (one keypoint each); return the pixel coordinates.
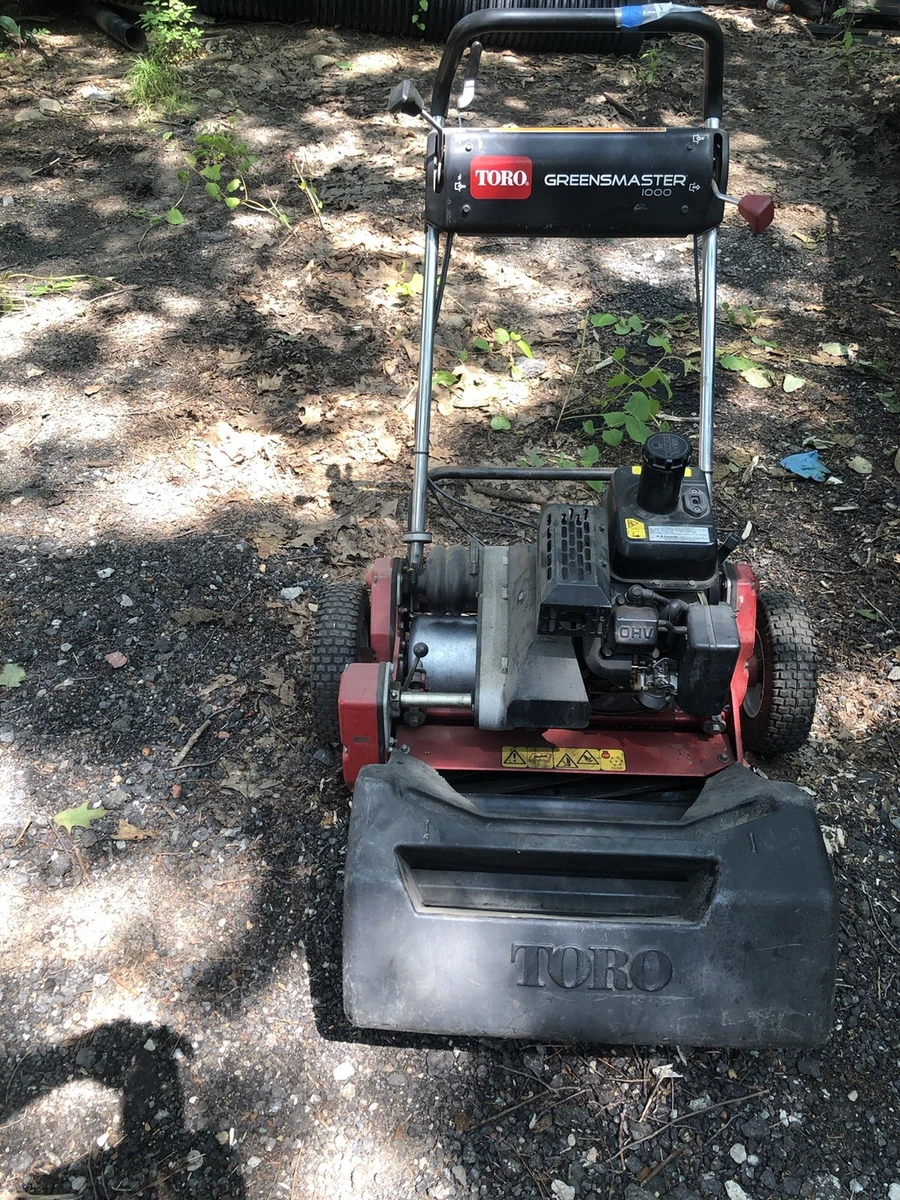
(635, 528)
(570, 758)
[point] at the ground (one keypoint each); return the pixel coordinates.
(204, 421)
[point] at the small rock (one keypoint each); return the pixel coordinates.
(150, 1045)
(894, 1191)
(633, 1192)
(738, 1153)
(60, 865)
(348, 1091)
(291, 593)
(345, 1071)
(214, 94)
(28, 114)
(105, 572)
(321, 61)
(8, 201)
(530, 368)
(94, 93)
(47, 105)
(253, 1162)
(126, 601)
(86, 1057)
(7, 735)
(735, 1191)
(562, 1191)
(397, 1080)
(77, 1182)
(827, 1187)
(459, 1174)
(811, 1067)
(20, 1163)
(325, 755)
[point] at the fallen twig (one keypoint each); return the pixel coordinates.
(521, 1104)
(687, 1117)
(191, 743)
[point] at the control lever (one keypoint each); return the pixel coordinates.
(757, 211)
(420, 650)
(407, 99)
(473, 62)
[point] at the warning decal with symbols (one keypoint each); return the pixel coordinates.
(572, 758)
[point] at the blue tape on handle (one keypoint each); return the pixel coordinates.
(632, 16)
(635, 15)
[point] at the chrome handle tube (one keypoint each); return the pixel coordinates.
(708, 344)
(416, 536)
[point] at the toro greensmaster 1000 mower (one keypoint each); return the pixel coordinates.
(554, 833)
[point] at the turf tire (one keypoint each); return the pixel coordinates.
(341, 637)
(777, 713)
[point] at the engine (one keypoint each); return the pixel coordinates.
(619, 607)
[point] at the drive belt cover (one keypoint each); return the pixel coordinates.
(578, 182)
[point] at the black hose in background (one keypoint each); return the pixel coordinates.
(120, 29)
(395, 17)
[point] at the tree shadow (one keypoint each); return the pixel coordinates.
(156, 1151)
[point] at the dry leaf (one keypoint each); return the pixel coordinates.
(192, 617)
(230, 360)
(275, 681)
(126, 832)
(243, 780)
(220, 681)
(269, 540)
(269, 383)
(389, 447)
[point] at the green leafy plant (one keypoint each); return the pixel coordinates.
(173, 38)
(16, 289)
(171, 30)
(220, 154)
(507, 343)
(847, 45)
(742, 316)
(406, 289)
(627, 402)
(420, 8)
(652, 65)
(10, 30)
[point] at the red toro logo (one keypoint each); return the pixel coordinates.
(501, 177)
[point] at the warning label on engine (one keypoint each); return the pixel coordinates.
(546, 758)
(685, 534)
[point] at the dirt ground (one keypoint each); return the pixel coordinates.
(202, 422)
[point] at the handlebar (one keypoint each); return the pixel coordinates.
(649, 18)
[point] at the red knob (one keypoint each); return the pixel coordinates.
(757, 211)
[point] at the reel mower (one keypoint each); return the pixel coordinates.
(554, 832)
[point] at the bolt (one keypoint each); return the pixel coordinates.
(469, 146)
(404, 749)
(466, 209)
(723, 757)
(685, 209)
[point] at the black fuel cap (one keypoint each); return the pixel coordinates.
(666, 452)
(665, 457)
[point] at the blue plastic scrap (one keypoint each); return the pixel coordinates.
(807, 465)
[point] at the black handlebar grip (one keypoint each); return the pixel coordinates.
(649, 18)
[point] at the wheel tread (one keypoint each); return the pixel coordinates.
(340, 627)
(789, 701)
